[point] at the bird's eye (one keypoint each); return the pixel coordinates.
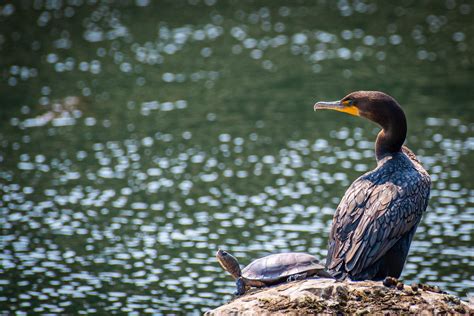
(350, 102)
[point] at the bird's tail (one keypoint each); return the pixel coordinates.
(338, 275)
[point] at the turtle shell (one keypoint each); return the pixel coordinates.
(281, 265)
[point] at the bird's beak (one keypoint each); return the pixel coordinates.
(337, 106)
(332, 105)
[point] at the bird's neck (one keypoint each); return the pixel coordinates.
(392, 136)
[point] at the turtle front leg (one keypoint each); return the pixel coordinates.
(299, 276)
(240, 286)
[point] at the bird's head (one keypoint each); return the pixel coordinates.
(380, 108)
(373, 105)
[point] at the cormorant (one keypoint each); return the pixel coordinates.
(376, 219)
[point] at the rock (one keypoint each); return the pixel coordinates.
(400, 286)
(315, 296)
(390, 281)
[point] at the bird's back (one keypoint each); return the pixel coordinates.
(376, 219)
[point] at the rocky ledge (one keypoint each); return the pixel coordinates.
(325, 296)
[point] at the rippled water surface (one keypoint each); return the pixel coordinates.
(138, 137)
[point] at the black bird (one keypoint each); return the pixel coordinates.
(376, 219)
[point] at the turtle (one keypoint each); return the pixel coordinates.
(271, 269)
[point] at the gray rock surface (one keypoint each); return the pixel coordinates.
(325, 296)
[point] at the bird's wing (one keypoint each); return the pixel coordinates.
(371, 218)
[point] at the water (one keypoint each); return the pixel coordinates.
(138, 138)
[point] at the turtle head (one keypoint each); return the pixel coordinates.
(229, 263)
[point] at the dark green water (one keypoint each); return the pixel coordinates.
(138, 137)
